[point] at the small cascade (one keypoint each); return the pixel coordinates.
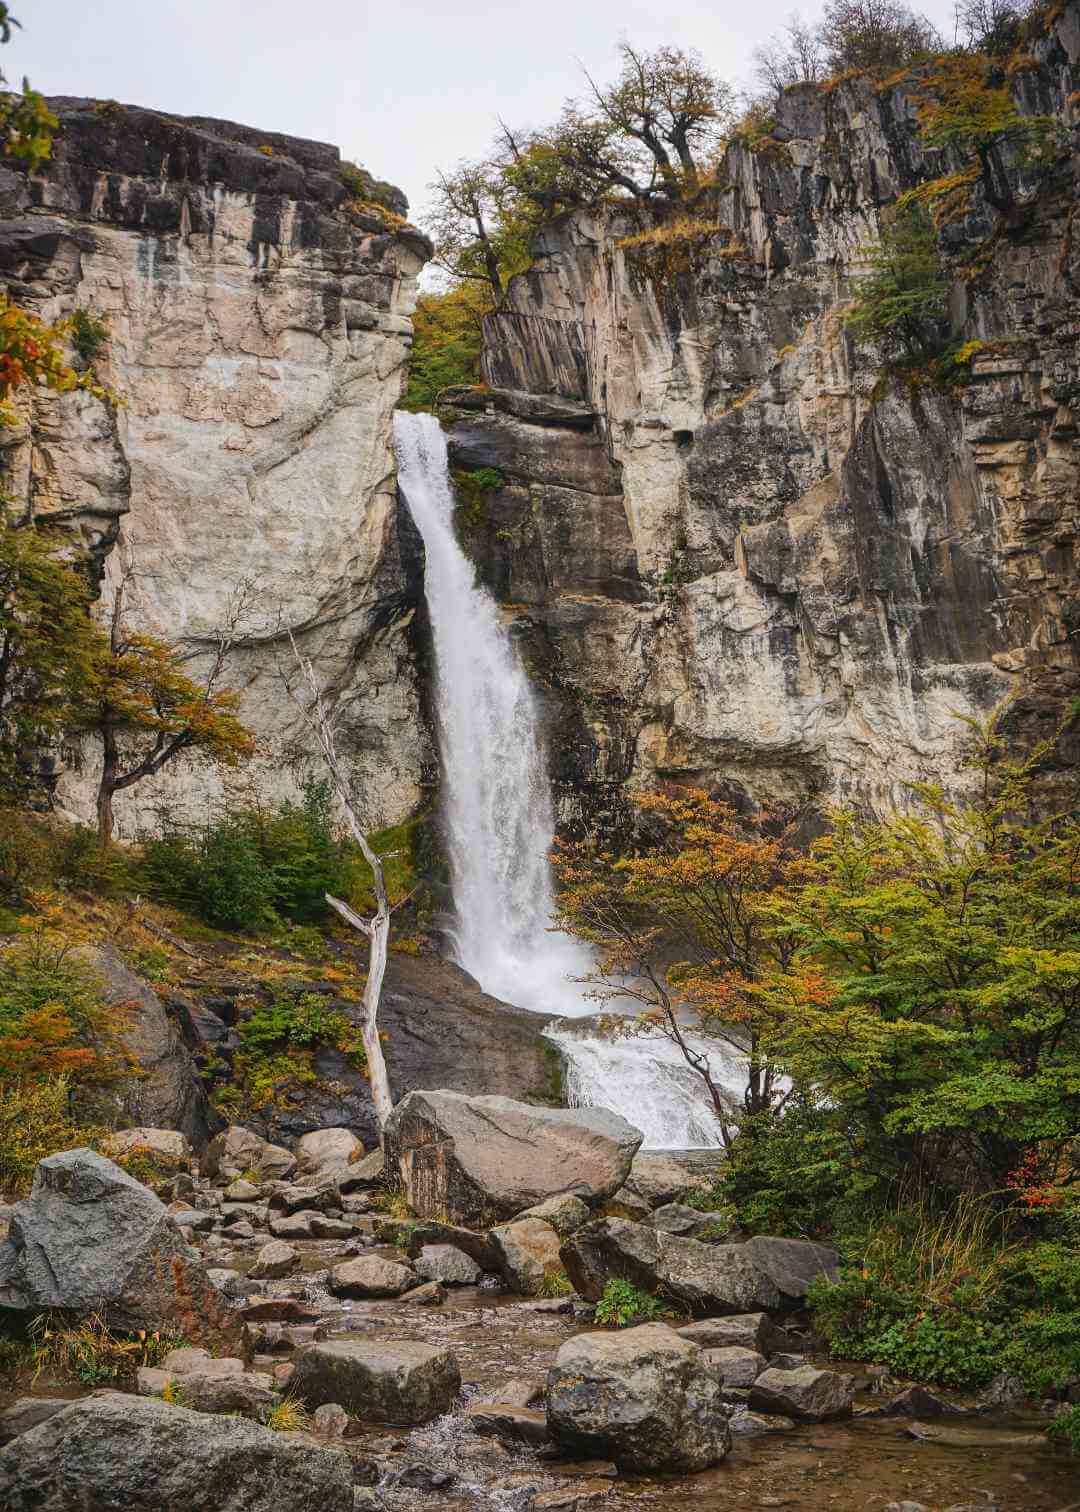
(500, 825)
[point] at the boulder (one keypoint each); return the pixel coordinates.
(210, 1385)
(168, 1148)
(112, 1450)
(242, 1191)
(323, 1227)
(330, 1421)
(735, 1366)
(308, 1199)
(481, 1159)
(91, 1239)
(643, 1397)
(753, 1424)
(657, 1178)
(430, 1294)
(381, 1380)
(359, 1177)
(447, 1264)
(274, 1259)
(514, 1425)
(527, 1251)
(744, 1330)
(328, 1147)
(293, 1225)
(807, 1394)
(236, 1150)
(565, 1213)
(626, 1204)
(26, 1413)
(371, 1276)
(758, 1275)
(675, 1218)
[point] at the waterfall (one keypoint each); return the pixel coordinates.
(500, 825)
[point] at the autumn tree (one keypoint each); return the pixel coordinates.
(874, 36)
(464, 223)
(902, 291)
(683, 928)
(146, 710)
(447, 337)
(993, 27)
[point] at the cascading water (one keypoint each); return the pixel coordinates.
(499, 823)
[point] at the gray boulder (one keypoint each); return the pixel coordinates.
(744, 1331)
(527, 1251)
(205, 1384)
(745, 1424)
(328, 1147)
(371, 1276)
(675, 1218)
(807, 1394)
(90, 1238)
(735, 1366)
(644, 1398)
(236, 1150)
(566, 1214)
(480, 1159)
(112, 1450)
(447, 1264)
(762, 1274)
(166, 1147)
(382, 1380)
(658, 1177)
(26, 1413)
(274, 1259)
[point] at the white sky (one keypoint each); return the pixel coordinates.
(400, 86)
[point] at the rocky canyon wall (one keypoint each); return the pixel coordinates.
(258, 330)
(734, 554)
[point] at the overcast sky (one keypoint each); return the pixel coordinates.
(400, 86)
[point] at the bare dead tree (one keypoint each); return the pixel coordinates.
(377, 928)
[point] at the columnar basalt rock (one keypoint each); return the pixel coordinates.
(258, 328)
(761, 567)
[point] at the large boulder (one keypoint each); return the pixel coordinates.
(111, 1450)
(91, 1239)
(372, 1276)
(763, 1274)
(564, 1213)
(476, 1160)
(743, 1330)
(236, 1150)
(381, 1380)
(644, 1398)
(527, 1251)
(804, 1393)
(167, 1149)
(324, 1148)
(448, 1265)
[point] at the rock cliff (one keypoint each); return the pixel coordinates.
(257, 334)
(735, 554)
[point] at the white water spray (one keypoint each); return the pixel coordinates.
(499, 824)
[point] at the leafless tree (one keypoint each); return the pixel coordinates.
(319, 720)
(792, 56)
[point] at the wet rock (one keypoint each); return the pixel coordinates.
(26, 1413)
(643, 1397)
(1004, 1393)
(384, 1381)
(276, 1310)
(744, 1330)
(915, 1402)
(236, 1150)
(527, 1251)
(422, 1478)
(323, 1227)
(447, 1264)
(519, 1391)
(91, 1239)
(478, 1158)
(371, 1276)
(293, 1225)
(786, 1360)
(735, 1366)
(330, 1420)
(565, 1498)
(112, 1450)
(764, 1273)
(753, 1424)
(328, 1147)
(514, 1425)
(166, 1147)
(431, 1294)
(565, 1213)
(274, 1260)
(807, 1394)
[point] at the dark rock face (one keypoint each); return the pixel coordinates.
(479, 1159)
(823, 566)
(112, 1450)
(643, 1397)
(89, 1239)
(763, 1274)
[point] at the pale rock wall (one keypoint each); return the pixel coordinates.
(258, 332)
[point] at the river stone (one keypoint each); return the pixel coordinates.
(735, 1366)
(371, 1276)
(111, 1450)
(753, 1424)
(381, 1380)
(527, 1251)
(514, 1425)
(328, 1147)
(167, 1147)
(478, 1159)
(642, 1397)
(274, 1260)
(807, 1394)
(565, 1213)
(236, 1150)
(744, 1330)
(447, 1264)
(293, 1225)
(91, 1239)
(761, 1274)
(430, 1294)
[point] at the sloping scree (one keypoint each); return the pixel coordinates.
(476, 1160)
(111, 1450)
(90, 1238)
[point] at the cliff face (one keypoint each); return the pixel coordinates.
(257, 334)
(735, 555)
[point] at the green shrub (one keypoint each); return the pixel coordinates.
(35, 1121)
(623, 1303)
(1066, 1428)
(89, 333)
(901, 301)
